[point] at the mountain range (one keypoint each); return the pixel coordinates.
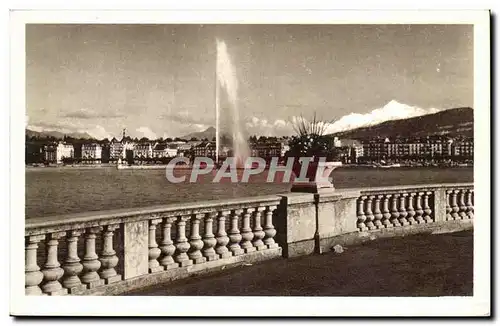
(56, 134)
(452, 122)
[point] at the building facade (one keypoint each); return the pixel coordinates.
(91, 153)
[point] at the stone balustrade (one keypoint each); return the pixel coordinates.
(86, 253)
(380, 208)
(116, 251)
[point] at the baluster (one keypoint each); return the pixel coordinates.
(448, 207)
(269, 229)
(234, 234)
(209, 240)
(470, 207)
(195, 240)
(222, 238)
(361, 214)
(181, 243)
(167, 245)
(411, 210)
(32, 275)
(72, 266)
(454, 205)
(52, 270)
(427, 209)
(246, 232)
(418, 209)
(91, 263)
(153, 251)
(395, 211)
(377, 213)
(258, 233)
(402, 210)
(386, 213)
(462, 207)
(369, 214)
(108, 259)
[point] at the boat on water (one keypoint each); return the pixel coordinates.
(384, 165)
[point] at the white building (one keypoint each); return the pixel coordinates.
(64, 150)
(92, 152)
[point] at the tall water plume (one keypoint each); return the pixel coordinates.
(228, 81)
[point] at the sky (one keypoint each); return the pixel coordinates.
(159, 80)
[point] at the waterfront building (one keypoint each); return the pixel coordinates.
(163, 150)
(91, 153)
(64, 150)
(205, 149)
(267, 149)
(116, 149)
(143, 150)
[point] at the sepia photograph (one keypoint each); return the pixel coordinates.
(329, 160)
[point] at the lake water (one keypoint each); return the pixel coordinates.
(53, 191)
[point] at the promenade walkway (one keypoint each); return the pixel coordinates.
(420, 265)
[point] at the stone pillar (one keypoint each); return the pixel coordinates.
(427, 209)
(454, 205)
(222, 238)
(377, 213)
(108, 259)
(386, 213)
(411, 210)
(470, 206)
(167, 245)
(369, 213)
(195, 241)
(258, 233)
(337, 215)
(246, 232)
(32, 275)
(395, 211)
(72, 266)
(153, 251)
(52, 270)
(463, 209)
(136, 248)
(181, 243)
(402, 210)
(418, 209)
(234, 234)
(361, 214)
(209, 241)
(296, 224)
(269, 229)
(91, 263)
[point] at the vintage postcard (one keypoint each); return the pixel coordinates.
(303, 163)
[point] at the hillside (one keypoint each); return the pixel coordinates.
(208, 133)
(452, 122)
(56, 134)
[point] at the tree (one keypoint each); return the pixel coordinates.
(168, 140)
(194, 139)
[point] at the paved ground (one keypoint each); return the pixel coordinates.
(421, 265)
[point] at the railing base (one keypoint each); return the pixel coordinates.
(353, 238)
(144, 281)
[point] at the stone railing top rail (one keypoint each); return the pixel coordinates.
(409, 188)
(56, 223)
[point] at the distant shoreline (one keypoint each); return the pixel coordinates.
(162, 166)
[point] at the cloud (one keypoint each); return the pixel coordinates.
(257, 126)
(89, 114)
(391, 111)
(65, 127)
(186, 117)
(146, 132)
(98, 132)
